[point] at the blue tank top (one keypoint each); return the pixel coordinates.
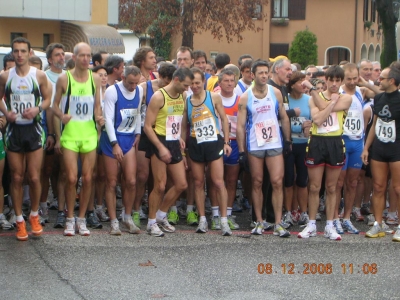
(126, 112)
(297, 122)
(149, 93)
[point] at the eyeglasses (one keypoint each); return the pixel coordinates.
(383, 78)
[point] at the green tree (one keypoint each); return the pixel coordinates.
(388, 18)
(304, 48)
(228, 18)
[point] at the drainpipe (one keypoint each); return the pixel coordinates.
(355, 34)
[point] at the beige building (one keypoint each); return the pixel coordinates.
(345, 30)
(68, 22)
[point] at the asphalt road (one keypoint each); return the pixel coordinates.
(186, 265)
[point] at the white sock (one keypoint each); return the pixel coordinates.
(114, 221)
(34, 213)
(160, 215)
(127, 217)
(151, 222)
(215, 211)
(312, 222)
(229, 211)
(173, 208)
(203, 219)
(329, 223)
(224, 220)
(189, 208)
(20, 218)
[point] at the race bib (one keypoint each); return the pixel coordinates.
(266, 132)
(385, 131)
(232, 125)
(205, 130)
(352, 125)
(173, 127)
(81, 108)
(18, 105)
(297, 123)
(128, 122)
(331, 124)
(286, 106)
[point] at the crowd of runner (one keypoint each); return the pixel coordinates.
(167, 136)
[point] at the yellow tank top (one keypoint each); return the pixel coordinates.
(171, 107)
(333, 125)
(78, 101)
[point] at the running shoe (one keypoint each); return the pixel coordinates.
(132, 228)
(365, 209)
(154, 230)
(101, 215)
(4, 224)
(356, 214)
(253, 224)
(236, 207)
(173, 217)
(308, 231)
(182, 212)
(390, 220)
(375, 231)
(81, 227)
(136, 218)
(216, 223)
(370, 219)
(69, 227)
(44, 215)
(60, 221)
(280, 231)
(164, 225)
(232, 223)
(304, 218)
(22, 234)
(341, 213)
(295, 216)
(12, 218)
(54, 204)
(338, 226)
(396, 236)
(267, 225)
(386, 228)
(331, 233)
(36, 227)
(258, 229)
(349, 227)
(245, 203)
(202, 227)
(92, 221)
(287, 218)
(225, 229)
(115, 228)
(142, 215)
(192, 218)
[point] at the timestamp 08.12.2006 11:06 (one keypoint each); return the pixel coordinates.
(317, 269)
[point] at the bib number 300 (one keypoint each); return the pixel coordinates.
(21, 102)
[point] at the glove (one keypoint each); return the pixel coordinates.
(287, 148)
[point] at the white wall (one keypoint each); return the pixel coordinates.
(131, 42)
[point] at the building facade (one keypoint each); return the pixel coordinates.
(345, 29)
(69, 22)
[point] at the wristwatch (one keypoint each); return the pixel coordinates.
(113, 143)
(312, 89)
(40, 108)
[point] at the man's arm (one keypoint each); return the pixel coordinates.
(319, 116)
(156, 102)
(60, 90)
(3, 81)
(241, 122)
(98, 115)
(283, 116)
(110, 98)
(368, 142)
(369, 90)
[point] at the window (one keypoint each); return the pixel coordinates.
(366, 8)
(297, 9)
(256, 12)
(280, 8)
(47, 39)
(14, 35)
(337, 54)
(278, 49)
(292, 9)
(373, 10)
